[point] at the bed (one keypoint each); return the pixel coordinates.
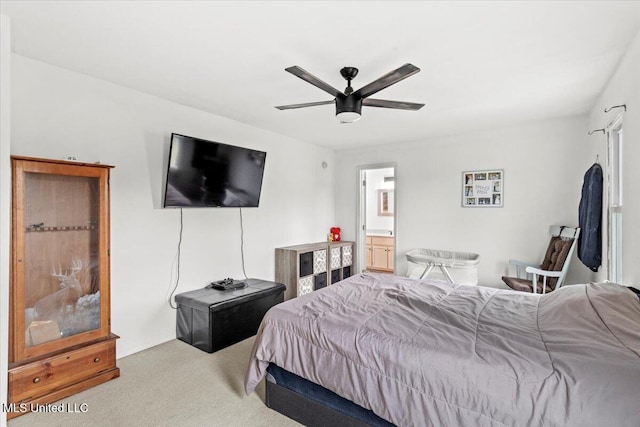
(430, 353)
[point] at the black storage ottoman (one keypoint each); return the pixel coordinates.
(212, 319)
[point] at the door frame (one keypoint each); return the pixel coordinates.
(614, 205)
(361, 213)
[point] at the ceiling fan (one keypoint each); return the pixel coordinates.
(349, 103)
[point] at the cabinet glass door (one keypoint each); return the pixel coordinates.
(61, 256)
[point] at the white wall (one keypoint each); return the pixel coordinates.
(57, 113)
(375, 182)
(543, 164)
(5, 200)
(624, 88)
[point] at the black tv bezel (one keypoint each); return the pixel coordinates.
(166, 176)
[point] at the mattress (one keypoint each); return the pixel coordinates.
(426, 352)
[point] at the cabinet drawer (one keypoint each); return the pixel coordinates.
(306, 264)
(320, 281)
(382, 241)
(336, 258)
(305, 285)
(347, 255)
(319, 261)
(42, 377)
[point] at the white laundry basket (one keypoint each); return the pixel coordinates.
(455, 267)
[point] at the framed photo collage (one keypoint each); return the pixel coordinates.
(483, 189)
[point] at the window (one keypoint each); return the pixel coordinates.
(614, 201)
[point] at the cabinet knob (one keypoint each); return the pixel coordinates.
(36, 380)
(97, 359)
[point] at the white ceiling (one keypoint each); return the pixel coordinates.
(484, 64)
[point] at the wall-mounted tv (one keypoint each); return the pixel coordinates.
(205, 173)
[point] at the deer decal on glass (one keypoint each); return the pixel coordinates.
(70, 291)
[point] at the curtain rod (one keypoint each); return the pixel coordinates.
(606, 110)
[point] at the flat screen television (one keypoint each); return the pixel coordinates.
(205, 173)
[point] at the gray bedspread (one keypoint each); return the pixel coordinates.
(429, 353)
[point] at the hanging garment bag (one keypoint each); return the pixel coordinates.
(590, 219)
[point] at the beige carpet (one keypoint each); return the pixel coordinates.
(173, 384)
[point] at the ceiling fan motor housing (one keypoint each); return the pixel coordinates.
(348, 104)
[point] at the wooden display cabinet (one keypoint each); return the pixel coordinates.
(60, 330)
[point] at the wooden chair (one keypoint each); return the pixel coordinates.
(550, 275)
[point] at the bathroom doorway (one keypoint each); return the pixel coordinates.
(377, 212)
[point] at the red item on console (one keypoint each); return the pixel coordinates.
(335, 234)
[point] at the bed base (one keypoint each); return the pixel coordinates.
(313, 405)
(304, 410)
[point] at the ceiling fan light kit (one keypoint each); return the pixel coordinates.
(349, 103)
(348, 117)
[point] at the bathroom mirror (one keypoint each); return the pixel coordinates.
(385, 202)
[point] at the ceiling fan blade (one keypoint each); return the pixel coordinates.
(387, 80)
(310, 78)
(306, 104)
(383, 103)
